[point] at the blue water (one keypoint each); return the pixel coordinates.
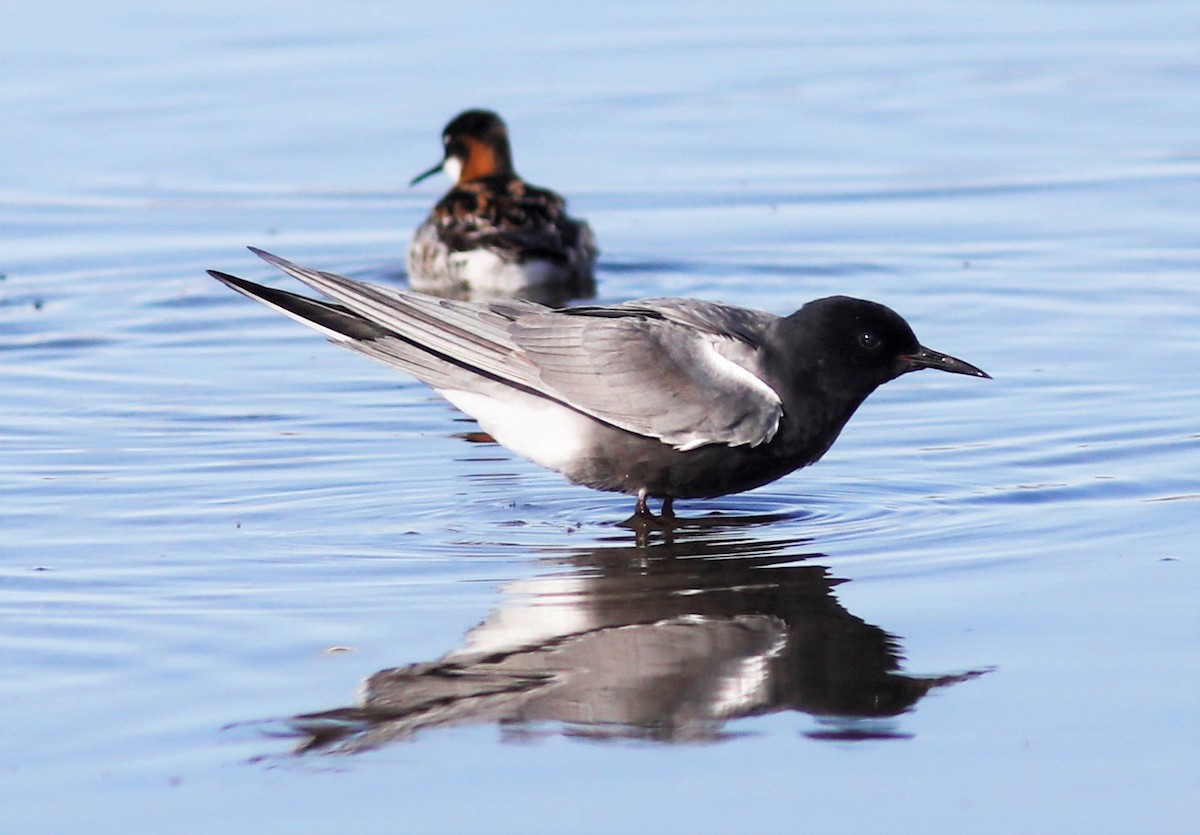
(977, 613)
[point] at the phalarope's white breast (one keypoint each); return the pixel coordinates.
(493, 233)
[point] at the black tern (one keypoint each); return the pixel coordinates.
(660, 398)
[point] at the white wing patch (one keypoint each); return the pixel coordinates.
(723, 367)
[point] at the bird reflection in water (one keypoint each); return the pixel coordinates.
(667, 642)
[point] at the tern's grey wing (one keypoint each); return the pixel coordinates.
(742, 324)
(668, 369)
(446, 343)
(686, 372)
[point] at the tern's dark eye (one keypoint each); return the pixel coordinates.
(869, 340)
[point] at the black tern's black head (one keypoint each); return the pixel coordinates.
(476, 146)
(853, 343)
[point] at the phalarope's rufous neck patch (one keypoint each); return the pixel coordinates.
(494, 234)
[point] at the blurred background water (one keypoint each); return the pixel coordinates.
(221, 534)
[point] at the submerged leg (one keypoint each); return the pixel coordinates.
(644, 519)
(644, 523)
(642, 510)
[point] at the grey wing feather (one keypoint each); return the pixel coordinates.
(673, 374)
(686, 372)
(466, 338)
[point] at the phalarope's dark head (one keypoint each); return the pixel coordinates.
(476, 146)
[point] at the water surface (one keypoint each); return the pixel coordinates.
(977, 612)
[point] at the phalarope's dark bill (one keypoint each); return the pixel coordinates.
(666, 398)
(493, 234)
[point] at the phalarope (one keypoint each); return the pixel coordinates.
(663, 398)
(493, 233)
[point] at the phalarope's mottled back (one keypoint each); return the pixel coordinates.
(665, 398)
(494, 234)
